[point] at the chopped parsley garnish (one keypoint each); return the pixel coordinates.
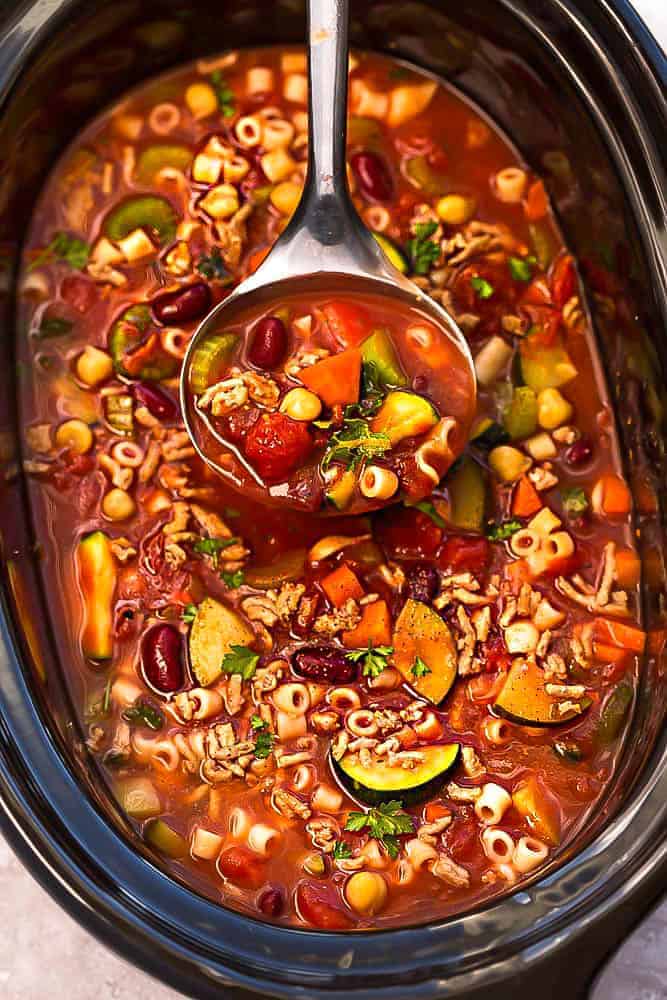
(501, 532)
(419, 668)
(241, 660)
(263, 739)
(189, 613)
(68, 249)
(482, 287)
(575, 502)
(224, 93)
(421, 249)
(141, 713)
(373, 659)
(354, 442)
(521, 268)
(212, 266)
(212, 546)
(54, 326)
(233, 580)
(428, 508)
(384, 823)
(341, 850)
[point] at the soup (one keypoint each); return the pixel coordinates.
(368, 721)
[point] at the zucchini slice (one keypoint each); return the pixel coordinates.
(341, 492)
(142, 212)
(157, 157)
(378, 350)
(403, 415)
(383, 782)
(393, 254)
(524, 700)
(97, 581)
(215, 630)
(129, 334)
(421, 632)
(466, 486)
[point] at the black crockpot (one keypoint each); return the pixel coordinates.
(580, 88)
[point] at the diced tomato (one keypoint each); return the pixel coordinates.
(407, 533)
(545, 325)
(563, 280)
(464, 552)
(242, 867)
(537, 294)
(317, 905)
(135, 361)
(525, 499)
(350, 324)
(494, 654)
(536, 204)
(462, 840)
(79, 292)
(276, 445)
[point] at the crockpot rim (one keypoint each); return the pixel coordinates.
(88, 889)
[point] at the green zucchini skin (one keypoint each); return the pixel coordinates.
(409, 796)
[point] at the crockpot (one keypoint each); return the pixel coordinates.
(580, 88)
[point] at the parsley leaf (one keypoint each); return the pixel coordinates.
(421, 249)
(141, 713)
(211, 546)
(354, 442)
(68, 249)
(419, 668)
(233, 580)
(241, 660)
(212, 266)
(224, 93)
(341, 850)
(384, 823)
(189, 613)
(428, 508)
(257, 722)
(373, 659)
(575, 502)
(264, 739)
(521, 268)
(501, 532)
(483, 287)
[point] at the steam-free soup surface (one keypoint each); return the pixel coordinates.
(359, 722)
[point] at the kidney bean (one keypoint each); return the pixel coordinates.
(271, 901)
(242, 867)
(579, 453)
(162, 658)
(158, 402)
(373, 177)
(268, 345)
(324, 663)
(183, 305)
(423, 583)
(316, 904)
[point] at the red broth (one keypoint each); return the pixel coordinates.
(363, 722)
(341, 403)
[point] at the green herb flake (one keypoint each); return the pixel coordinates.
(419, 668)
(483, 288)
(143, 714)
(189, 613)
(575, 502)
(263, 739)
(341, 850)
(521, 268)
(212, 266)
(384, 823)
(63, 247)
(233, 580)
(212, 547)
(54, 326)
(354, 442)
(373, 659)
(422, 251)
(501, 532)
(241, 660)
(257, 722)
(224, 93)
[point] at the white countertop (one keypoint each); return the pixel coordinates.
(44, 955)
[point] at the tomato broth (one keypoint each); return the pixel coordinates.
(367, 721)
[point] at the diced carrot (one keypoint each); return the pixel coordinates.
(518, 573)
(350, 324)
(526, 500)
(615, 633)
(374, 627)
(537, 294)
(257, 258)
(628, 568)
(609, 654)
(611, 496)
(536, 204)
(336, 379)
(435, 810)
(406, 736)
(341, 585)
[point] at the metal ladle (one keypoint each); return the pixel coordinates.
(325, 240)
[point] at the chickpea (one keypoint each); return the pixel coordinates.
(286, 196)
(301, 404)
(75, 435)
(366, 892)
(201, 100)
(94, 365)
(455, 209)
(118, 505)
